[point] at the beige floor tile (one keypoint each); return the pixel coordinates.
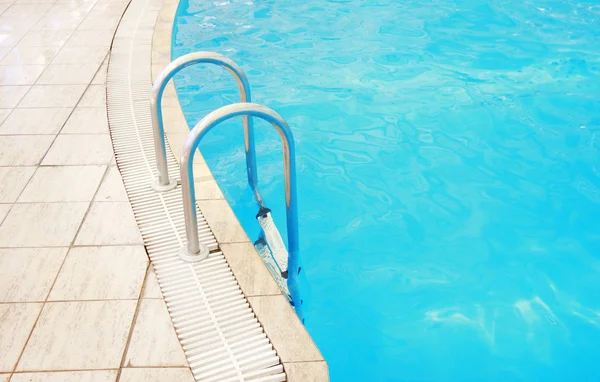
(16, 321)
(67, 376)
(156, 375)
(26, 274)
(176, 141)
(81, 55)
(11, 95)
(222, 221)
(9, 23)
(63, 184)
(46, 38)
(103, 23)
(4, 114)
(279, 320)
(56, 21)
(47, 120)
(206, 186)
(23, 150)
(87, 120)
(14, 180)
(306, 372)
(174, 121)
(30, 55)
(91, 38)
(154, 342)
(68, 74)
(26, 10)
(3, 50)
(100, 77)
(250, 271)
(4, 209)
(80, 149)
(94, 96)
(151, 288)
(109, 223)
(41, 224)
(101, 273)
(20, 74)
(79, 335)
(53, 96)
(112, 188)
(8, 39)
(4, 377)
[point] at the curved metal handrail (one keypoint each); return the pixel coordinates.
(194, 250)
(164, 183)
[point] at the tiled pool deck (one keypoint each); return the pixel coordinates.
(78, 297)
(78, 300)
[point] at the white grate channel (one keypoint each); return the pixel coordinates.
(221, 337)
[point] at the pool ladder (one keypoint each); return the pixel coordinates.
(194, 250)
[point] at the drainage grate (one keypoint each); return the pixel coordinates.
(221, 337)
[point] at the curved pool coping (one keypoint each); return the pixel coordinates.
(300, 357)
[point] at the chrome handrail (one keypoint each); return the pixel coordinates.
(194, 250)
(164, 183)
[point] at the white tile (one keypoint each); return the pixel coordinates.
(94, 96)
(112, 188)
(26, 274)
(103, 23)
(79, 335)
(3, 50)
(156, 375)
(10, 23)
(20, 74)
(68, 74)
(151, 287)
(154, 342)
(81, 55)
(91, 38)
(87, 120)
(47, 120)
(100, 77)
(4, 114)
(41, 224)
(30, 55)
(63, 184)
(4, 209)
(53, 96)
(23, 150)
(11, 95)
(8, 39)
(56, 21)
(71, 149)
(16, 321)
(109, 223)
(67, 376)
(46, 38)
(13, 182)
(101, 273)
(17, 10)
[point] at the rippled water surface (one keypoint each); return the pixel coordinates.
(449, 180)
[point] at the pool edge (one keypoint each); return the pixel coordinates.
(289, 337)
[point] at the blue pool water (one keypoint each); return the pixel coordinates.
(449, 175)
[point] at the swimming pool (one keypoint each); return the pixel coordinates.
(448, 171)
